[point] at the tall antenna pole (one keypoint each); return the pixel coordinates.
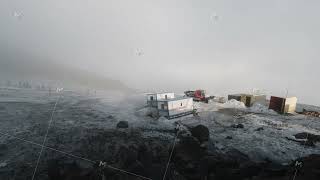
(284, 103)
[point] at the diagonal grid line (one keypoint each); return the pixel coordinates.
(53, 149)
(45, 137)
(174, 144)
(71, 155)
(127, 172)
(304, 146)
(62, 152)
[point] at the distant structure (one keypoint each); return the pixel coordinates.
(283, 105)
(248, 99)
(198, 95)
(169, 106)
(152, 98)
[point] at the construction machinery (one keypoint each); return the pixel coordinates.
(198, 95)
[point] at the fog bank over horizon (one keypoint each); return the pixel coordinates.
(223, 46)
(18, 67)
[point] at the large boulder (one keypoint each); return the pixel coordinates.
(188, 156)
(200, 132)
(237, 126)
(123, 124)
(311, 139)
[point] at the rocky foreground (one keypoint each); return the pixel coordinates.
(99, 139)
(192, 159)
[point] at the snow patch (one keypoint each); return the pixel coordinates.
(259, 108)
(234, 104)
(3, 164)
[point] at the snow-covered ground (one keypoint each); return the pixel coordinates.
(268, 142)
(21, 111)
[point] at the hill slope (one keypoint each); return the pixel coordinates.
(23, 66)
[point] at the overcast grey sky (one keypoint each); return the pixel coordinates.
(222, 46)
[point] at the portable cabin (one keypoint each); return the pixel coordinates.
(175, 107)
(248, 99)
(259, 99)
(153, 98)
(238, 97)
(283, 105)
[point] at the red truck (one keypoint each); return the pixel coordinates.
(198, 95)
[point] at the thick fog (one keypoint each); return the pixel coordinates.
(222, 46)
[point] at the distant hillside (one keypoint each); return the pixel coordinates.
(23, 66)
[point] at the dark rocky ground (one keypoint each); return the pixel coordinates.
(79, 142)
(191, 160)
(126, 149)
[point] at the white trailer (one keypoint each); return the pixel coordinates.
(176, 107)
(153, 98)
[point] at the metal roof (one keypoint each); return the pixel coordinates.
(160, 93)
(174, 99)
